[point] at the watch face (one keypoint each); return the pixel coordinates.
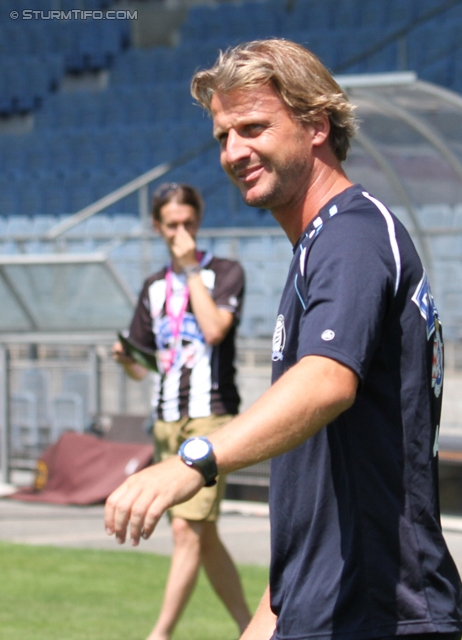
(196, 449)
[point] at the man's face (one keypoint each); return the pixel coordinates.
(175, 220)
(266, 152)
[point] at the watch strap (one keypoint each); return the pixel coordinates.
(191, 270)
(207, 465)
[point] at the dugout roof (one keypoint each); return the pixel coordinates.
(61, 293)
(408, 153)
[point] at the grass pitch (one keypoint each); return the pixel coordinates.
(49, 593)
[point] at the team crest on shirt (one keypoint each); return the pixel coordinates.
(424, 300)
(279, 339)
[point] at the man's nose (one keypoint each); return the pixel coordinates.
(236, 148)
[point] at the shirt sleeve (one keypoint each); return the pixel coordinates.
(346, 289)
(229, 287)
(141, 325)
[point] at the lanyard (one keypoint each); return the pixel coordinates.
(175, 319)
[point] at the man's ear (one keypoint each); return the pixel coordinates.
(321, 130)
(155, 224)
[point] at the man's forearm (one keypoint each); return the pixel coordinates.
(307, 397)
(213, 322)
(131, 368)
(263, 623)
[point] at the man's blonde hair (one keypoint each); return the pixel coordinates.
(297, 75)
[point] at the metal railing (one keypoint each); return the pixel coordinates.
(110, 393)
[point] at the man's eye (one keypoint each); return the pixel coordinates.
(255, 128)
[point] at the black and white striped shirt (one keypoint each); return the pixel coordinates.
(200, 381)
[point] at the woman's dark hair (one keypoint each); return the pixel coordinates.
(179, 193)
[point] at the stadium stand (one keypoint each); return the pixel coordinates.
(86, 143)
(103, 111)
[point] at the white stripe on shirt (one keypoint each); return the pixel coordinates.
(391, 234)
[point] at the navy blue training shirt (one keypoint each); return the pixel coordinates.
(357, 547)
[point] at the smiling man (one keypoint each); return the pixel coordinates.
(351, 420)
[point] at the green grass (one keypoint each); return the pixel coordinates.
(49, 593)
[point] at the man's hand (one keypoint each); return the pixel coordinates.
(138, 504)
(263, 623)
(183, 248)
(132, 368)
(119, 354)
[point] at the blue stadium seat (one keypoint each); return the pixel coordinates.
(80, 246)
(27, 79)
(38, 246)
(55, 200)
(123, 69)
(18, 225)
(3, 226)
(80, 193)
(61, 111)
(266, 21)
(399, 13)
(346, 14)
(373, 13)
(99, 225)
(86, 152)
(128, 264)
(111, 150)
(349, 48)
(42, 223)
(452, 15)
(453, 73)
(311, 15)
(61, 152)
(39, 36)
(320, 42)
(125, 223)
(436, 216)
(196, 26)
(458, 216)
(442, 72)
(30, 201)
(17, 40)
(9, 203)
(446, 247)
(9, 247)
(438, 42)
(91, 112)
(387, 59)
(38, 155)
(417, 54)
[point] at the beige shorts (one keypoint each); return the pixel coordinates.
(168, 436)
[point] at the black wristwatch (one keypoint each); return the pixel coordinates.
(198, 453)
